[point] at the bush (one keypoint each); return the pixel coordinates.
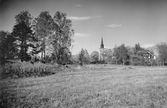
(25, 69)
(155, 62)
(127, 62)
(135, 60)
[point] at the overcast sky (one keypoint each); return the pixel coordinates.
(117, 21)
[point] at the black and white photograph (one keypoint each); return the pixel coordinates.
(83, 53)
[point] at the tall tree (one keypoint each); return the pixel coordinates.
(42, 31)
(61, 38)
(23, 34)
(162, 51)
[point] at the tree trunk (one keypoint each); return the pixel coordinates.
(44, 51)
(44, 54)
(21, 51)
(123, 61)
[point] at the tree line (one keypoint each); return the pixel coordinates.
(127, 55)
(31, 36)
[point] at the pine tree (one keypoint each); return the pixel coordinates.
(23, 34)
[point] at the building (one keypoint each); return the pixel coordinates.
(102, 51)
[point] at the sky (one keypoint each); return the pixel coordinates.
(118, 21)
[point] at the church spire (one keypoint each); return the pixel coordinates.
(102, 45)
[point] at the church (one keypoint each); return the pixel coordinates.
(102, 51)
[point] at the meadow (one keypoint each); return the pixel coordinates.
(89, 86)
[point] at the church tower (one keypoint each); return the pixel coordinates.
(101, 58)
(102, 45)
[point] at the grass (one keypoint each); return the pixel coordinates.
(91, 86)
(26, 69)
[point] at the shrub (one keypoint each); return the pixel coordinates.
(25, 69)
(154, 62)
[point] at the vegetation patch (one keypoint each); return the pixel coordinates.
(25, 69)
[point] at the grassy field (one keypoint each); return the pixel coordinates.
(91, 86)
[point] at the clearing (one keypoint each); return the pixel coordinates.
(91, 86)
